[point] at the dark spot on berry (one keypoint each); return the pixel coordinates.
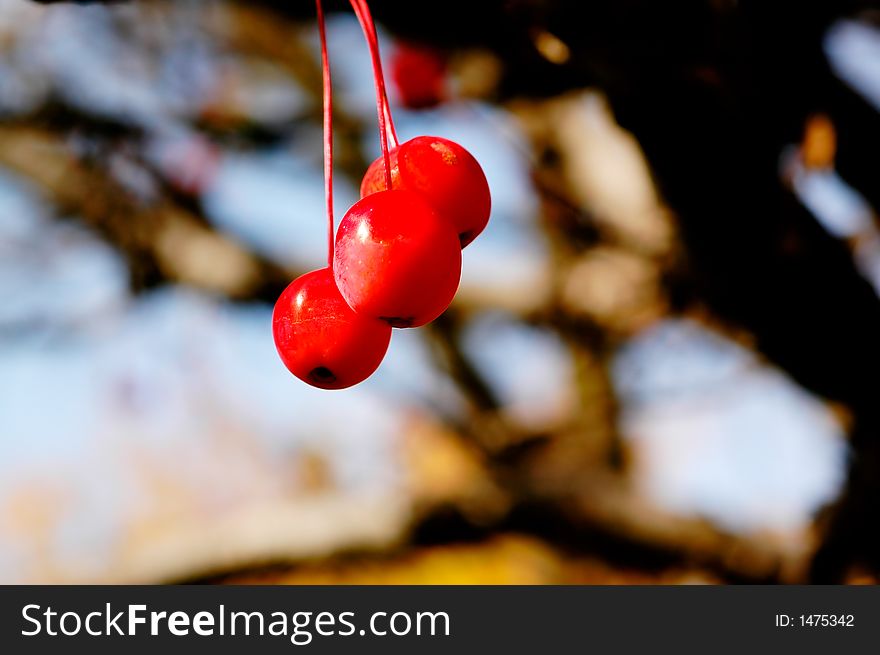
(322, 375)
(398, 322)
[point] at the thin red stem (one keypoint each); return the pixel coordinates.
(392, 131)
(328, 131)
(373, 44)
(362, 11)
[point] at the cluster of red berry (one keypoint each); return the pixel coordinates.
(396, 259)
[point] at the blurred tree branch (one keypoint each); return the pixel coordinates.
(160, 242)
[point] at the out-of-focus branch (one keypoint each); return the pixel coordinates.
(606, 506)
(254, 29)
(160, 241)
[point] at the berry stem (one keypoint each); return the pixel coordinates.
(386, 125)
(373, 44)
(328, 130)
(392, 131)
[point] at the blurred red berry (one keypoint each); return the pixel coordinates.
(320, 339)
(397, 259)
(419, 75)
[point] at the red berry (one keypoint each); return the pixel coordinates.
(419, 74)
(446, 174)
(397, 259)
(320, 339)
(374, 178)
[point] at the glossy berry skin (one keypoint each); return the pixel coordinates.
(320, 339)
(446, 174)
(397, 259)
(374, 178)
(419, 75)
